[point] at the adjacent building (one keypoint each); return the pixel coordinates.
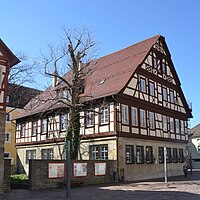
(136, 107)
(17, 97)
(194, 147)
(7, 60)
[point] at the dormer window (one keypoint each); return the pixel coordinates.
(64, 93)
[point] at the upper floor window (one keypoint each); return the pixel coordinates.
(151, 89)
(182, 127)
(34, 128)
(134, 116)
(64, 93)
(44, 126)
(142, 118)
(125, 115)
(104, 114)
(164, 94)
(177, 123)
(164, 118)
(151, 120)
(7, 99)
(7, 137)
(63, 122)
(171, 96)
(171, 121)
(142, 85)
(89, 118)
(22, 130)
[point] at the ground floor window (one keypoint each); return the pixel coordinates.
(161, 154)
(175, 155)
(129, 154)
(30, 154)
(99, 152)
(181, 156)
(149, 154)
(139, 154)
(47, 154)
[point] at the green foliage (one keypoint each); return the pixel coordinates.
(19, 178)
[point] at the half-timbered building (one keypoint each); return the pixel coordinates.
(136, 108)
(7, 60)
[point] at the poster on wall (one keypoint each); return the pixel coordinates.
(80, 169)
(56, 170)
(100, 169)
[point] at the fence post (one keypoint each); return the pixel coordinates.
(68, 164)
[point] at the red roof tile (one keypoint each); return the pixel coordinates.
(113, 71)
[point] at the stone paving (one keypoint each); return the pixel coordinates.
(177, 188)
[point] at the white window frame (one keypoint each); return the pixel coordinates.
(34, 128)
(22, 130)
(171, 94)
(134, 116)
(104, 114)
(164, 120)
(44, 126)
(164, 94)
(63, 122)
(171, 122)
(143, 85)
(89, 118)
(151, 120)
(177, 125)
(152, 89)
(125, 114)
(182, 127)
(143, 122)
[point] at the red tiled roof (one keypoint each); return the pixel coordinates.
(114, 70)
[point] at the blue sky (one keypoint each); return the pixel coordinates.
(29, 25)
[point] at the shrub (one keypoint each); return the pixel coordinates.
(19, 178)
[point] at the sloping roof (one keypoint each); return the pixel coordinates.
(20, 95)
(7, 54)
(109, 74)
(195, 131)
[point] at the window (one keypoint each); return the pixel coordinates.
(142, 118)
(104, 115)
(181, 157)
(142, 85)
(182, 127)
(34, 128)
(139, 154)
(99, 152)
(22, 130)
(164, 123)
(63, 122)
(47, 154)
(30, 154)
(171, 121)
(151, 120)
(175, 155)
(151, 89)
(7, 99)
(164, 94)
(7, 137)
(177, 123)
(198, 149)
(169, 155)
(134, 116)
(64, 93)
(149, 154)
(44, 126)
(161, 154)
(171, 96)
(89, 118)
(8, 117)
(125, 114)
(6, 155)
(129, 154)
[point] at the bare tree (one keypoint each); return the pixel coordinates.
(74, 54)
